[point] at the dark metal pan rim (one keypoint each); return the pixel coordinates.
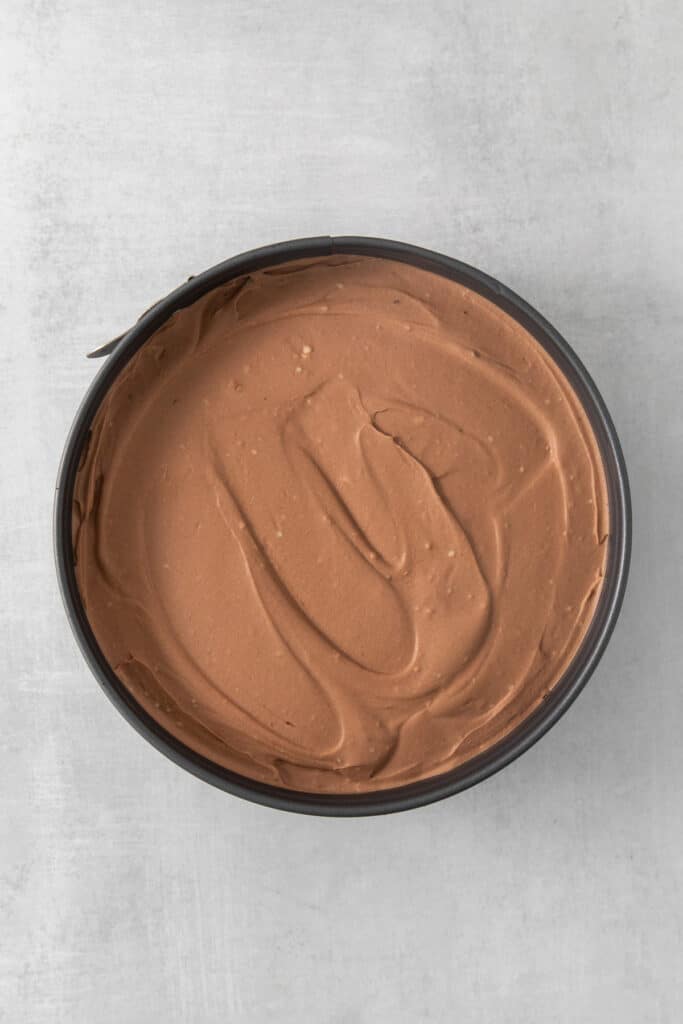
(566, 690)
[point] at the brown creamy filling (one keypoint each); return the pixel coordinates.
(341, 525)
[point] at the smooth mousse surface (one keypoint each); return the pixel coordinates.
(340, 525)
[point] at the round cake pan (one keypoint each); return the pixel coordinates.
(599, 631)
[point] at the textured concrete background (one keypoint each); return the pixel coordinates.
(541, 141)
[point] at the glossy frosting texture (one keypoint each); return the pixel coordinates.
(340, 525)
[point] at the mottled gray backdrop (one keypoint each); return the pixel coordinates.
(144, 141)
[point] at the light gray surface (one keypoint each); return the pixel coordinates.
(541, 141)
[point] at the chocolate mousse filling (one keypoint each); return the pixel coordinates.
(340, 525)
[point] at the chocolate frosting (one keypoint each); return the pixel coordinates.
(340, 525)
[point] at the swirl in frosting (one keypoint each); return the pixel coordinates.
(340, 525)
